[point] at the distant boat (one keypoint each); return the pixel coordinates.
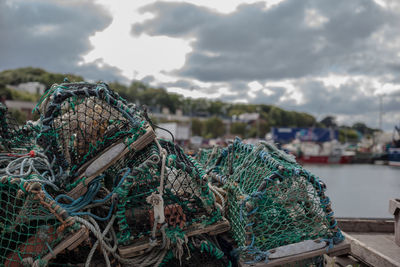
(329, 159)
(331, 152)
(326, 153)
(394, 156)
(394, 150)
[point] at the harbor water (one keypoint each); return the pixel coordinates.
(359, 190)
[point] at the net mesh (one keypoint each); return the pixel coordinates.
(31, 224)
(186, 197)
(89, 183)
(96, 183)
(272, 201)
(80, 120)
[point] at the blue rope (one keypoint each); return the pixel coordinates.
(78, 204)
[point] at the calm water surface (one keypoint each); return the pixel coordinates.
(359, 190)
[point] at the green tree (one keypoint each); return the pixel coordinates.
(214, 127)
(238, 128)
(197, 127)
(348, 135)
(364, 129)
(217, 108)
(275, 117)
(329, 121)
(29, 74)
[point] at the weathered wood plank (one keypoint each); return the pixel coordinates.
(141, 245)
(296, 248)
(342, 248)
(366, 225)
(374, 249)
(72, 241)
(106, 159)
(394, 208)
(346, 260)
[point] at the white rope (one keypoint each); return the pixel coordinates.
(156, 200)
(213, 152)
(215, 191)
(109, 225)
(95, 229)
(26, 165)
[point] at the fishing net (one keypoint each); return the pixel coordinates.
(32, 226)
(90, 183)
(166, 199)
(272, 201)
(81, 120)
(103, 186)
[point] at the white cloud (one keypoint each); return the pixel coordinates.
(314, 19)
(314, 55)
(255, 86)
(193, 93)
(139, 56)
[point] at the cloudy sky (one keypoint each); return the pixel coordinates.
(319, 56)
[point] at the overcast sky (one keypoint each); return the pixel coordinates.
(318, 56)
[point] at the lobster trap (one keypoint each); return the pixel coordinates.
(272, 201)
(86, 128)
(34, 229)
(166, 193)
(90, 182)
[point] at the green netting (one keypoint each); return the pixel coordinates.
(90, 183)
(186, 197)
(208, 157)
(81, 120)
(272, 201)
(95, 183)
(31, 224)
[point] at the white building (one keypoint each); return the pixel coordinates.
(30, 87)
(248, 117)
(180, 131)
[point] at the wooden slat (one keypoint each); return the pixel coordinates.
(109, 156)
(79, 241)
(366, 225)
(340, 249)
(394, 208)
(73, 240)
(346, 260)
(141, 245)
(374, 249)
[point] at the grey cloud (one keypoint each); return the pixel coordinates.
(53, 35)
(185, 84)
(271, 99)
(148, 79)
(190, 85)
(255, 43)
(346, 101)
(99, 71)
(174, 19)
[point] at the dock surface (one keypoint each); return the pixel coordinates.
(375, 249)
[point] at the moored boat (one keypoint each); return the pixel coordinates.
(394, 150)
(394, 156)
(331, 152)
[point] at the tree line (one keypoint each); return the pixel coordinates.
(213, 112)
